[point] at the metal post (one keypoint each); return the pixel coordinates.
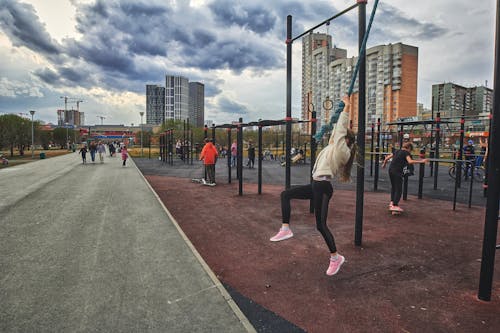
(438, 142)
(229, 155)
(491, 218)
(360, 182)
(32, 135)
(239, 157)
(377, 158)
(259, 174)
(67, 135)
(288, 117)
(142, 130)
(458, 166)
(213, 134)
(192, 145)
(371, 149)
(314, 146)
(485, 183)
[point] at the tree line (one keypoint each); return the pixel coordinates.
(15, 134)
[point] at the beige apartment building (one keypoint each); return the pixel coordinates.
(391, 80)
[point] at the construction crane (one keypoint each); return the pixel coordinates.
(66, 99)
(102, 118)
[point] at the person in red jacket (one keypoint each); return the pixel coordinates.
(209, 156)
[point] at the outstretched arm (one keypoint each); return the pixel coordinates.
(412, 161)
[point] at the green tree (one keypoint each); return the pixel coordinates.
(59, 136)
(44, 138)
(15, 131)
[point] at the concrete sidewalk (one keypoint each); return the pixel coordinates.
(91, 248)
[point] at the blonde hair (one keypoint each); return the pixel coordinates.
(345, 170)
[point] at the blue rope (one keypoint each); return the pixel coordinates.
(335, 117)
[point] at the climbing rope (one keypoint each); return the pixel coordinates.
(335, 117)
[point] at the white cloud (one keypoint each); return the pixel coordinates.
(106, 54)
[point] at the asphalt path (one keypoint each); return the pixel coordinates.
(90, 248)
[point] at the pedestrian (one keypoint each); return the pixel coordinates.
(93, 150)
(124, 153)
(111, 148)
(209, 156)
(335, 160)
(234, 153)
(400, 159)
(483, 145)
(251, 156)
(83, 152)
(470, 156)
(101, 150)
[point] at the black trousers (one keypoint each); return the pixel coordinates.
(321, 193)
(396, 187)
(210, 168)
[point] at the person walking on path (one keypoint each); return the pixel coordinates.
(400, 159)
(124, 153)
(209, 156)
(251, 156)
(234, 153)
(101, 150)
(83, 152)
(93, 150)
(335, 160)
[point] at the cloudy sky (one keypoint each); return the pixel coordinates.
(104, 52)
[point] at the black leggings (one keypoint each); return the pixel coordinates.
(320, 192)
(396, 187)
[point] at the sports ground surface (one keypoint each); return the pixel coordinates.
(417, 272)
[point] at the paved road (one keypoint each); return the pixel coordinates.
(87, 248)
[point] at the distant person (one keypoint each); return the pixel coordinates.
(124, 153)
(83, 152)
(251, 156)
(483, 145)
(209, 156)
(335, 160)
(400, 159)
(101, 150)
(93, 150)
(469, 154)
(234, 153)
(112, 149)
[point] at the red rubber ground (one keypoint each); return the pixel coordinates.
(416, 272)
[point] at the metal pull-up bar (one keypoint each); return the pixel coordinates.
(327, 21)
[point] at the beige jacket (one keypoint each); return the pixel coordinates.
(337, 153)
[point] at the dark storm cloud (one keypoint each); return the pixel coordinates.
(48, 76)
(128, 43)
(228, 13)
(21, 24)
(226, 105)
(395, 24)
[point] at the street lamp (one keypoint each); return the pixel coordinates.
(67, 140)
(142, 114)
(32, 135)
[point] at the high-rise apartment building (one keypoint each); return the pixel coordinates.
(391, 81)
(317, 53)
(155, 104)
(178, 100)
(176, 97)
(197, 103)
(453, 100)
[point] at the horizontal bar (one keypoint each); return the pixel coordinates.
(326, 21)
